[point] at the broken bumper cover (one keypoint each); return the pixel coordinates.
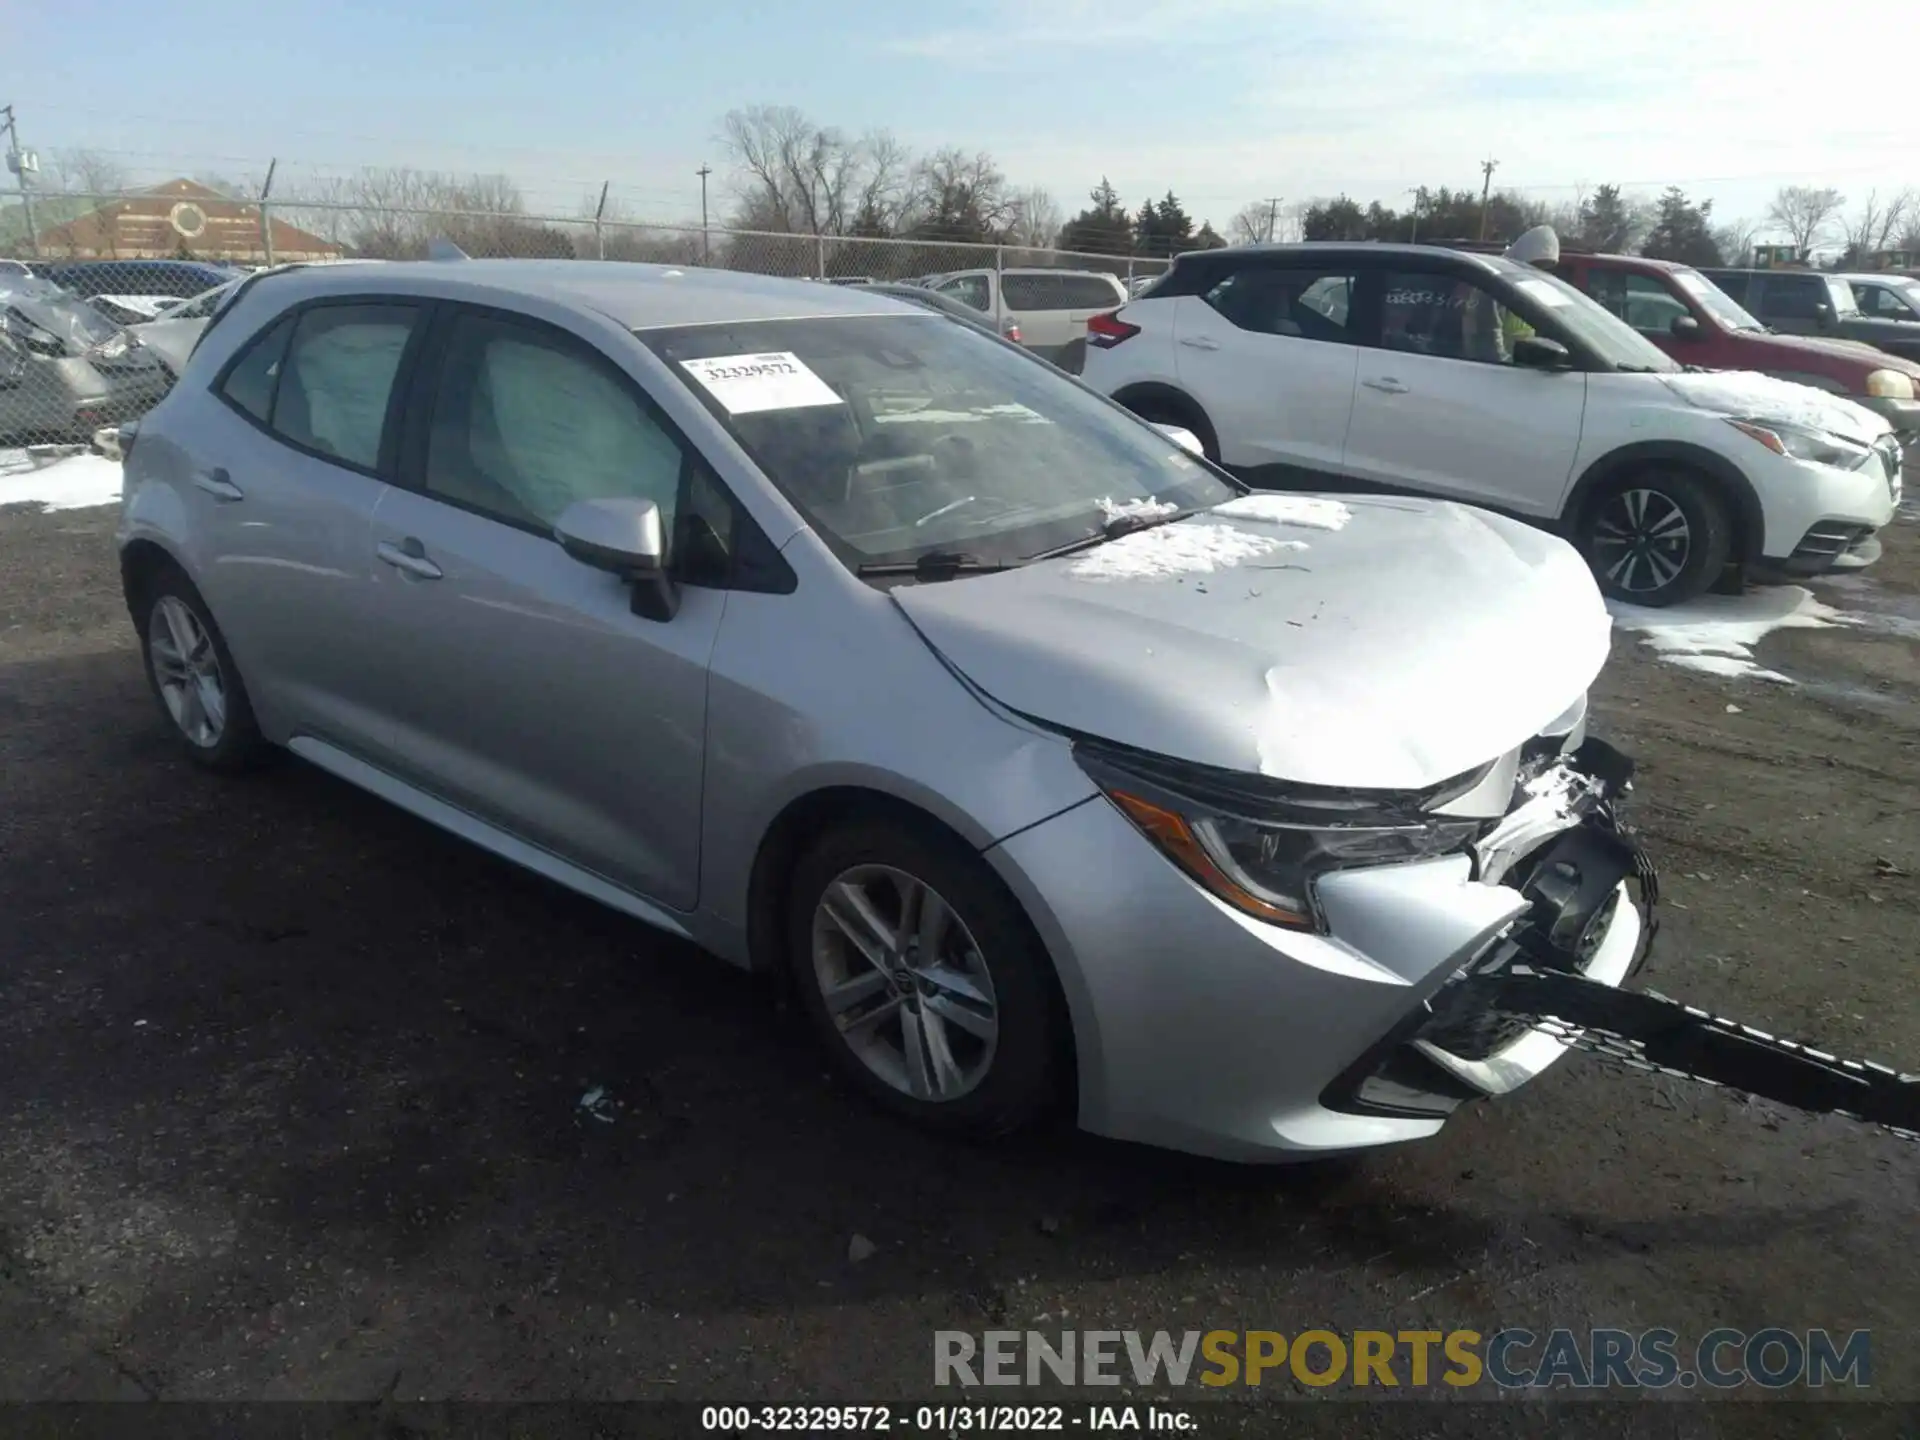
(1200, 1028)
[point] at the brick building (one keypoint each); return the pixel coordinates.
(175, 219)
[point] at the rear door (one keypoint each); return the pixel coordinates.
(288, 457)
(1270, 350)
(1441, 408)
(514, 681)
(1052, 310)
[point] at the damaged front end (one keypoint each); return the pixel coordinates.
(1591, 893)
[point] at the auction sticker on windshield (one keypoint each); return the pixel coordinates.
(747, 384)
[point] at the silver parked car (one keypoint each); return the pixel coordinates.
(857, 644)
(65, 369)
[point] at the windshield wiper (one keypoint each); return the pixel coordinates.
(936, 565)
(1114, 529)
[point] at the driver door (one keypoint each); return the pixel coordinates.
(515, 682)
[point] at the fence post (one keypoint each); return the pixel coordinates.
(819, 257)
(266, 214)
(999, 282)
(599, 232)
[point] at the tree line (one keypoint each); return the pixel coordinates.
(790, 176)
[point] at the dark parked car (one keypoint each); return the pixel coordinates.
(1813, 302)
(1887, 297)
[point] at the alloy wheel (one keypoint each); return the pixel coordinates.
(1641, 540)
(905, 983)
(186, 668)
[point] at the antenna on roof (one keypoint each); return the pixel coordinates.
(446, 250)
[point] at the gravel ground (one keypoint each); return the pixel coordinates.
(290, 1084)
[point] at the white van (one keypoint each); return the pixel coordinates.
(1051, 307)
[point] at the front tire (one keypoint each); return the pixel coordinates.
(193, 677)
(1166, 412)
(923, 979)
(1657, 536)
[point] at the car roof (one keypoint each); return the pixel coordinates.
(1876, 277)
(638, 296)
(1358, 249)
(1628, 262)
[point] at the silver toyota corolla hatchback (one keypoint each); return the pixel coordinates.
(851, 642)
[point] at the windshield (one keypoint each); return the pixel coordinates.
(1715, 301)
(899, 435)
(200, 307)
(1617, 344)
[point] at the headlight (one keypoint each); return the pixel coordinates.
(1259, 845)
(1815, 446)
(1890, 385)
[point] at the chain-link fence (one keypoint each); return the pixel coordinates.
(104, 296)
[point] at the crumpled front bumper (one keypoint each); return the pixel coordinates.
(1591, 892)
(1200, 1028)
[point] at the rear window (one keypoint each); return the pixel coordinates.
(1059, 292)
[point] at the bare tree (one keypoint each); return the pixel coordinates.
(1252, 223)
(1036, 220)
(1876, 223)
(87, 172)
(1735, 240)
(1805, 213)
(792, 175)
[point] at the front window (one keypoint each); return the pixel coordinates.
(1609, 339)
(901, 435)
(971, 290)
(1715, 301)
(1840, 296)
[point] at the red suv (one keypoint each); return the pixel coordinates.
(1697, 323)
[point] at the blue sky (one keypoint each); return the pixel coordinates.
(1224, 101)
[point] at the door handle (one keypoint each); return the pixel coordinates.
(217, 483)
(410, 558)
(1199, 342)
(1386, 385)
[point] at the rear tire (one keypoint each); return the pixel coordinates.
(193, 677)
(951, 1022)
(1657, 536)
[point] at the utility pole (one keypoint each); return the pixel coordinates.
(22, 165)
(1487, 168)
(1273, 215)
(703, 172)
(1419, 195)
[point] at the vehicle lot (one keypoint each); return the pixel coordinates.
(290, 1088)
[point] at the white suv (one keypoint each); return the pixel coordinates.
(1400, 367)
(1050, 307)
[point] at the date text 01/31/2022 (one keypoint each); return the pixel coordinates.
(943, 1419)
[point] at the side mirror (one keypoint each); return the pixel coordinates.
(1184, 438)
(623, 536)
(1684, 327)
(1823, 312)
(1537, 352)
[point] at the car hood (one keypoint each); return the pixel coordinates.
(1832, 349)
(1752, 396)
(1382, 644)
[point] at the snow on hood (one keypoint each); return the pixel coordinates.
(1415, 641)
(1761, 397)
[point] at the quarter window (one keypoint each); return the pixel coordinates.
(250, 381)
(1793, 297)
(527, 422)
(333, 394)
(1447, 317)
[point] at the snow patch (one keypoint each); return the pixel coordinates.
(1715, 634)
(60, 482)
(1173, 550)
(1761, 397)
(1143, 509)
(1307, 511)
